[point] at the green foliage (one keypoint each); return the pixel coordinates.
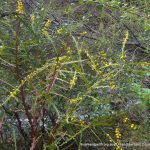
(143, 94)
(71, 69)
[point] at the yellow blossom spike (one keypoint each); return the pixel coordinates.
(125, 40)
(45, 28)
(32, 19)
(123, 54)
(20, 9)
(83, 33)
(133, 126)
(73, 81)
(112, 85)
(125, 120)
(60, 30)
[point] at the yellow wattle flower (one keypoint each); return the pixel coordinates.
(60, 30)
(20, 9)
(32, 19)
(45, 28)
(133, 126)
(125, 120)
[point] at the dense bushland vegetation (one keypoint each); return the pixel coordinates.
(74, 72)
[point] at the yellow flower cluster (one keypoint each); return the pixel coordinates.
(60, 30)
(116, 144)
(118, 148)
(123, 54)
(82, 122)
(20, 9)
(103, 59)
(125, 40)
(58, 63)
(73, 81)
(14, 92)
(118, 136)
(45, 28)
(68, 50)
(133, 126)
(93, 64)
(83, 33)
(32, 19)
(144, 64)
(112, 85)
(103, 54)
(110, 138)
(125, 120)
(75, 100)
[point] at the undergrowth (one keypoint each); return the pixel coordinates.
(74, 73)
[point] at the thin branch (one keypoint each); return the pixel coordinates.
(4, 82)
(25, 105)
(7, 63)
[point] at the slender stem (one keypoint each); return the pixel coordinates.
(25, 105)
